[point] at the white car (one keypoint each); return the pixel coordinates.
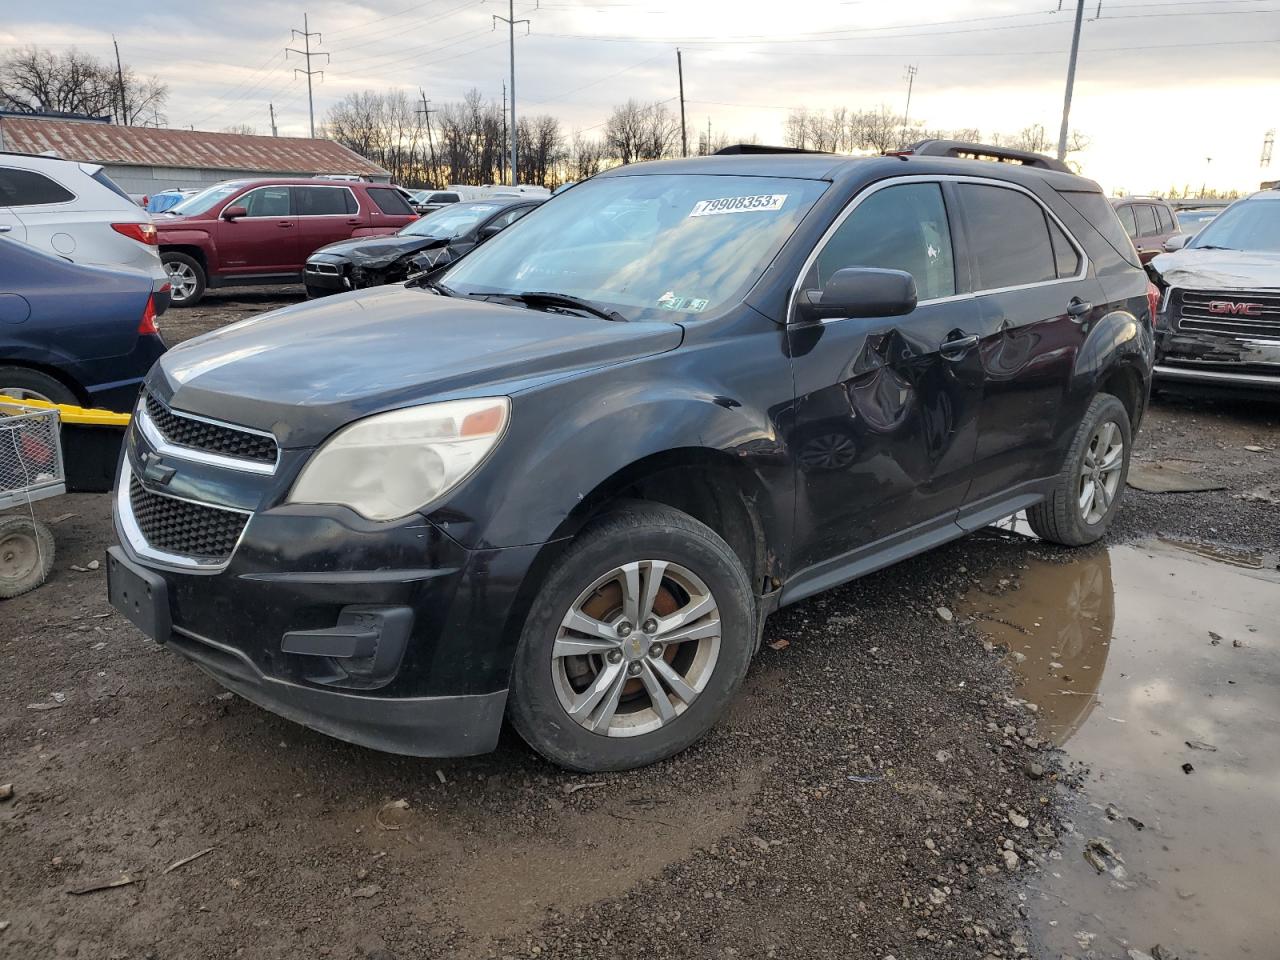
(74, 210)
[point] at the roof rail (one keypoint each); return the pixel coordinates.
(738, 148)
(980, 151)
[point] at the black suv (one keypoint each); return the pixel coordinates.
(565, 480)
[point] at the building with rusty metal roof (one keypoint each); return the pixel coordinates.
(146, 160)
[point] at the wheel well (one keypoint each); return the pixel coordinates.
(53, 372)
(1125, 384)
(708, 486)
(194, 252)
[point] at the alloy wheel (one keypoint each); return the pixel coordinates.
(1100, 472)
(23, 393)
(636, 648)
(182, 280)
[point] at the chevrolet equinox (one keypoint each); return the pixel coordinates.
(564, 480)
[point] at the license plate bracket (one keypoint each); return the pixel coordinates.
(140, 594)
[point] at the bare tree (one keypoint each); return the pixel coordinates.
(242, 128)
(541, 147)
(638, 131)
(33, 80)
(585, 157)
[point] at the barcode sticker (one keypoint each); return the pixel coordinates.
(758, 204)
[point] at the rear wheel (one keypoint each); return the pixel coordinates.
(635, 644)
(186, 278)
(26, 555)
(1086, 494)
(21, 383)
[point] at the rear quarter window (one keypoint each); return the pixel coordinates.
(1098, 212)
(390, 202)
(26, 188)
(1008, 236)
(111, 185)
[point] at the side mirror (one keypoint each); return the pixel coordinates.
(234, 213)
(1177, 242)
(860, 292)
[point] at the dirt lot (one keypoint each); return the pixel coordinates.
(865, 799)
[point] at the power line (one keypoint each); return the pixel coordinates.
(306, 33)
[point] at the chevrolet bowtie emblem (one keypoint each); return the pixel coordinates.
(155, 470)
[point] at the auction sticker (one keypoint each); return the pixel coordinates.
(757, 204)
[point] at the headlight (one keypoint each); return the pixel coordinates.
(389, 465)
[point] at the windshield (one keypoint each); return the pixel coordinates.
(1250, 225)
(205, 200)
(1193, 220)
(451, 221)
(646, 246)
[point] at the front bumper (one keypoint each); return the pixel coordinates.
(389, 635)
(326, 276)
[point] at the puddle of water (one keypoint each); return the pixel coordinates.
(1120, 655)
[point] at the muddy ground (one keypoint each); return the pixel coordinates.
(876, 792)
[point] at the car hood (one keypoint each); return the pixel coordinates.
(1232, 269)
(378, 251)
(304, 371)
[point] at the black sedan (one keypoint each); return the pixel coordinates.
(437, 238)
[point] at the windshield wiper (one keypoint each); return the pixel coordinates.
(424, 280)
(551, 299)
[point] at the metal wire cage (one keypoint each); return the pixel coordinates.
(31, 466)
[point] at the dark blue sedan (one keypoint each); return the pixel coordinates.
(71, 333)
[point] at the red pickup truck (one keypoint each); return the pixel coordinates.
(262, 231)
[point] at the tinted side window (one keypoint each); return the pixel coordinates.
(1065, 256)
(265, 202)
(1008, 237)
(111, 185)
(26, 188)
(904, 227)
(1146, 215)
(1127, 220)
(1099, 216)
(389, 201)
(1166, 219)
(321, 201)
(508, 218)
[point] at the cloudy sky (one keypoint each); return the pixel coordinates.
(1168, 92)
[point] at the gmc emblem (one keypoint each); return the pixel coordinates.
(1239, 309)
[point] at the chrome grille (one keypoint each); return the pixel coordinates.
(182, 527)
(327, 268)
(1245, 314)
(211, 437)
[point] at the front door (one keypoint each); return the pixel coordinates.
(883, 430)
(1037, 299)
(265, 241)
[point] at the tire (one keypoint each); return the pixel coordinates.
(186, 277)
(23, 383)
(26, 555)
(1064, 516)
(698, 567)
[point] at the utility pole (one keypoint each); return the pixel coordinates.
(1071, 79)
(306, 34)
(502, 160)
(426, 113)
(684, 137)
(912, 70)
(709, 151)
(511, 21)
(124, 111)
(272, 108)
(1268, 142)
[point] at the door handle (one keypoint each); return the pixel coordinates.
(957, 347)
(5, 228)
(285, 223)
(354, 221)
(1078, 309)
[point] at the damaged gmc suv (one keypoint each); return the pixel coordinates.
(564, 480)
(1219, 326)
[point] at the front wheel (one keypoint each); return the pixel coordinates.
(635, 644)
(1086, 494)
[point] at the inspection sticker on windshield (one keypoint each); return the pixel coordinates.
(758, 204)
